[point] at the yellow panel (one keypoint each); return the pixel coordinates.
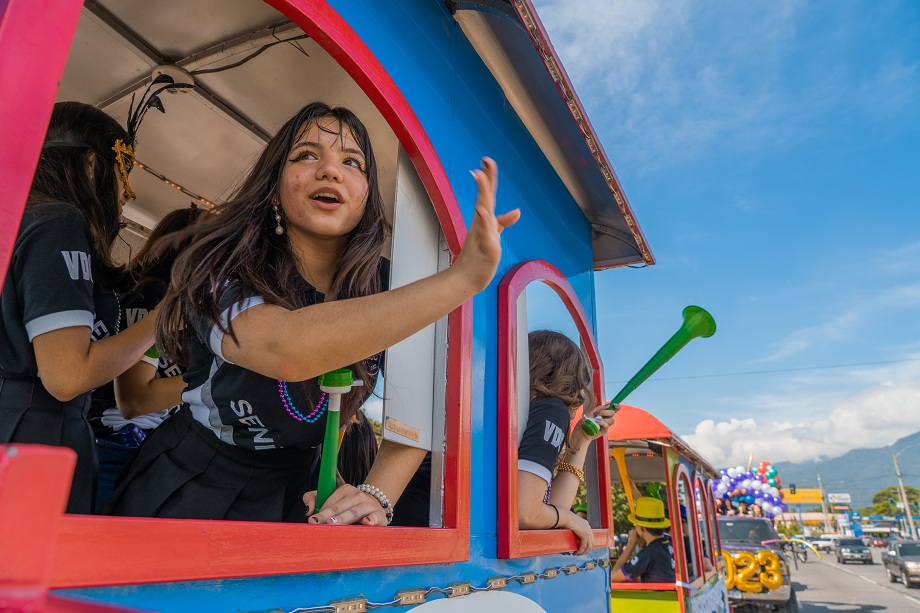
(638, 601)
(802, 496)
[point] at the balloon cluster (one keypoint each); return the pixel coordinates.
(760, 487)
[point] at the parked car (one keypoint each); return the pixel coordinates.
(740, 534)
(902, 561)
(853, 550)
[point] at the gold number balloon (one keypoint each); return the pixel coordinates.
(746, 566)
(752, 573)
(729, 570)
(772, 575)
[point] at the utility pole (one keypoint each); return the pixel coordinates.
(910, 518)
(827, 524)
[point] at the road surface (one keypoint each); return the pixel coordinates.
(824, 586)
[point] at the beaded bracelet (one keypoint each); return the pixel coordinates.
(570, 468)
(381, 498)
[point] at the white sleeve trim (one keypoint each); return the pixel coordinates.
(146, 359)
(217, 336)
(57, 321)
(529, 466)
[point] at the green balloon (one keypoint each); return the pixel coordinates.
(772, 481)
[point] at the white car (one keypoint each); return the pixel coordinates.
(822, 543)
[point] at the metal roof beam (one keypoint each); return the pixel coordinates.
(227, 48)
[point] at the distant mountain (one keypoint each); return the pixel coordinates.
(860, 472)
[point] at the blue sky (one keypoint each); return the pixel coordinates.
(771, 152)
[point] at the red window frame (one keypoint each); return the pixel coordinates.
(682, 474)
(199, 550)
(709, 511)
(512, 541)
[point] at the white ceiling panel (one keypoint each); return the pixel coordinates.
(100, 63)
(178, 28)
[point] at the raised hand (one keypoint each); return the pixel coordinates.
(482, 250)
(606, 420)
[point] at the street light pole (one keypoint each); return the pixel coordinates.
(910, 518)
(827, 525)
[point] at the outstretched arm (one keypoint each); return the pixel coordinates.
(533, 514)
(138, 391)
(301, 344)
(616, 573)
(71, 363)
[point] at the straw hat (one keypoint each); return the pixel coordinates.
(649, 513)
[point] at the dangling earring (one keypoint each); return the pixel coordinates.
(279, 229)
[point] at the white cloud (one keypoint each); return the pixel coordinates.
(874, 418)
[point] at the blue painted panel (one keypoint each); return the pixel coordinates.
(466, 115)
(586, 591)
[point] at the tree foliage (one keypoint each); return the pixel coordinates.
(621, 523)
(882, 500)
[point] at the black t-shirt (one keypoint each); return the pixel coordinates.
(653, 564)
(544, 435)
(50, 285)
(103, 414)
(242, 407)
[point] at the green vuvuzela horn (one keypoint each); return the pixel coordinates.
(697, 323)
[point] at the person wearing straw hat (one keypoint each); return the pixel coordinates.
(655, 561)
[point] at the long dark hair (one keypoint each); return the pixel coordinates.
(241, 251)
(559, 369)
(63, 175)
(153, 261)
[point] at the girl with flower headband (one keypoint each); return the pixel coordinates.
(550, 459)
(284, 284)
(60, 314)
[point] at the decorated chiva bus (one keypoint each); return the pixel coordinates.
(438, 83)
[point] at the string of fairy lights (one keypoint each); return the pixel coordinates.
(198, 199)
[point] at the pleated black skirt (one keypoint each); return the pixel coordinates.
(29, 414)
(184, 471)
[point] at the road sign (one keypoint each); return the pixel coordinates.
(838, 498)
(802, 496)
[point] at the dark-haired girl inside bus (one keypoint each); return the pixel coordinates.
(60, 312)
(284, 284)
(550, 458)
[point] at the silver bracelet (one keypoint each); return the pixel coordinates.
(381, 498)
